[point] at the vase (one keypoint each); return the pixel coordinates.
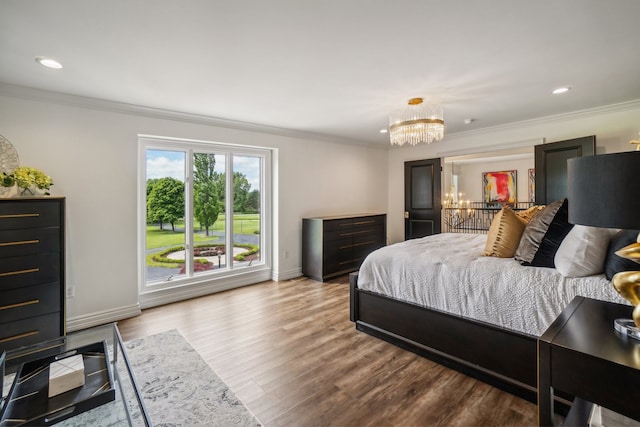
(32, 191)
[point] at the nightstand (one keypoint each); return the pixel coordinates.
(582, 355)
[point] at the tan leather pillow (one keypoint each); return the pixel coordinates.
(528, 214)
(504, 234)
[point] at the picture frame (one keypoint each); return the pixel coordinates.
(499, 188)
(531, 185)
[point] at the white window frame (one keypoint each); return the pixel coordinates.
(219, 280)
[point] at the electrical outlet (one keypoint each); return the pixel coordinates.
(71, 292)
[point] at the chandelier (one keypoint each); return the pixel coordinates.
(417, 123)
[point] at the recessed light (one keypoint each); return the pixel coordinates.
(468, 121)
(560, 90)
(48, 62)
(384, 130)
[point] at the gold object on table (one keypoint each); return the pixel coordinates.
(627, 283)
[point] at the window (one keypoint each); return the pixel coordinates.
(204, 213)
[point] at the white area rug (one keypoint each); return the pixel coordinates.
(179, 388)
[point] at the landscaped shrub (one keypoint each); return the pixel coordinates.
(252, 249)
(204, 250)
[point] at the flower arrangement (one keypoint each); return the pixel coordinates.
(26, 179)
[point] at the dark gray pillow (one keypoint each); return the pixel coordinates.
(557, 231)
(534, 233)
(613, 263)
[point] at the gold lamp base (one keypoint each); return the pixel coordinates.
(627, 283)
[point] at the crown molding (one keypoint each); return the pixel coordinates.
(539, 121)
(34, 94)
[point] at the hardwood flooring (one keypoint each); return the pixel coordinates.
(289, 352)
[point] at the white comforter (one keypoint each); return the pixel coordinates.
(447, 272)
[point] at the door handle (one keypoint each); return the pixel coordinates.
(406, 215)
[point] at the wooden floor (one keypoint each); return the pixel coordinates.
(289, 352)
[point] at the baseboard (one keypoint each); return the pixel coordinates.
(102, 317)
(278, 276)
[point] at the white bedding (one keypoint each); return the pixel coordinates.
(447, 272)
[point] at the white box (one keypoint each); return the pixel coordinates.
(66, 374)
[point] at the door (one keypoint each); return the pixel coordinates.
(551, 166)
(421, 198)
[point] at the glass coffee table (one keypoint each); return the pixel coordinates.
(127, 409)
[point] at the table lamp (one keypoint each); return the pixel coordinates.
(603, 192)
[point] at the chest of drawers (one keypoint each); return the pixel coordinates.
(336, 245)
(31, 270)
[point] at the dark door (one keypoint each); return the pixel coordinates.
(421, 198)
(551, 166)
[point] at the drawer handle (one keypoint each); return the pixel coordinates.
(27, 215)
(17, 337)
(350, 261)
(357, 244)
(22, 242)
(13, 273)
(19, 304)
(354, 233)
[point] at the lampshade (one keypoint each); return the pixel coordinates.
(603, 191)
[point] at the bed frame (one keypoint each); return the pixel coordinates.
(497, 356)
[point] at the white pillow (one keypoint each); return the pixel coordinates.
(583, 251)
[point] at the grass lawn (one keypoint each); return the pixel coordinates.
(156, 238)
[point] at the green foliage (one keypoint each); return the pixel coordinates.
(206, 201)
(160, 259)
(241, 189)
(252, 204)
(252, 249)
(165, 201)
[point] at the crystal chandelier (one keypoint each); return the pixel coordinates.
(417, 123)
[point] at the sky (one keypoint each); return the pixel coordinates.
(163, 163)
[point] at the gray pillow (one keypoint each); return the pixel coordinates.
(583, 252)
(534, 233)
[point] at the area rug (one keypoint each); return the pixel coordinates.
(179, 388)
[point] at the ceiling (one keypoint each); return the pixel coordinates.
(331, 67)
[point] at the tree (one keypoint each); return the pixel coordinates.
(253, 202)
(165, 201)
(206, 201)
(241, 189)
(150, 183)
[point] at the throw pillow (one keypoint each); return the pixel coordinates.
(614, 263)
(528, 214)
(582, 253)
(504, 234)
(534, 233)
(557, 231)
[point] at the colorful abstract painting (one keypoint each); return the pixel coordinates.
(499, 187)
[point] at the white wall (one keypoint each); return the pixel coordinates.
(614, 126)
(89, 148)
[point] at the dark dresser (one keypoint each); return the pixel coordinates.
(336, 245)
(32, 289)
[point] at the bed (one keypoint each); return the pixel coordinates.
(438, 296)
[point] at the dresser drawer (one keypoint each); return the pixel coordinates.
(29, 214)
(369, 221)
(29, 270)
(29, 301)
(338, 224)
(30, 331)
(29, 241)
